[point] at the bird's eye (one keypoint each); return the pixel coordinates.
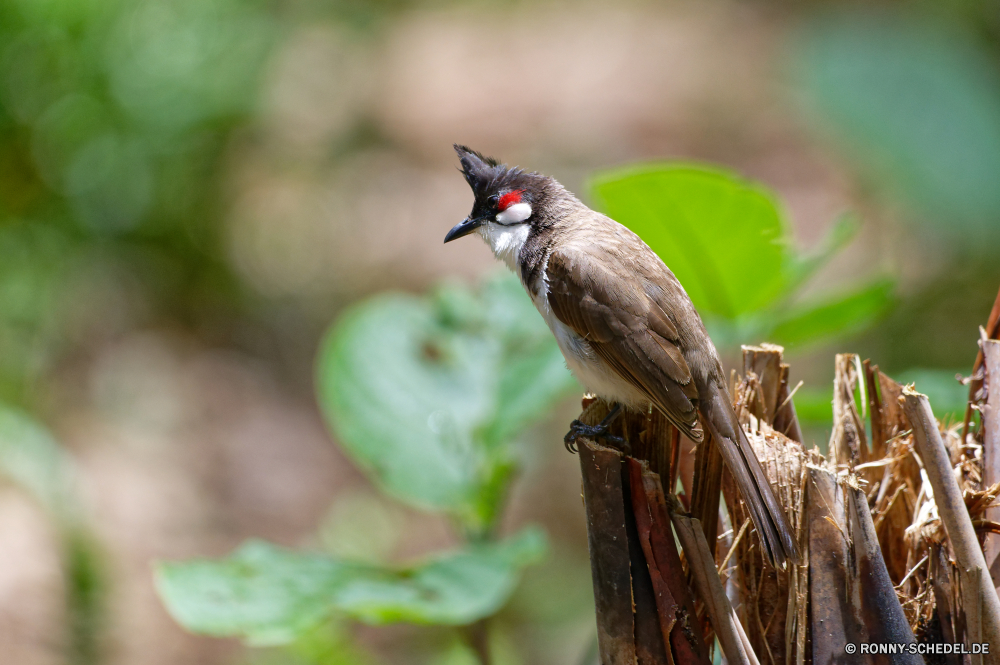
(493, 200)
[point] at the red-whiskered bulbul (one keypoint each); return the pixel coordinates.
(624, 323)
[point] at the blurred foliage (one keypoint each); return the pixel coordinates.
(426, 394)
(328, 644)
(362, 526)
(947, 394)
(32, 459)
(729, 244)
(271, 596)
(113, 119)
(115, 116)
(917, 103)
(914, 101)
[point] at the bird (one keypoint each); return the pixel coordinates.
(624, 324)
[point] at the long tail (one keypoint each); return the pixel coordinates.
(767, 514)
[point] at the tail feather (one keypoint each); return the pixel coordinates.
(765, 511)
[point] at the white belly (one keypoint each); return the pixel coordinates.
(588, 368)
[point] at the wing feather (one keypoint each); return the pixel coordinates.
(628, 330)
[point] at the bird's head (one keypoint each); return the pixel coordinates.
(504, 196)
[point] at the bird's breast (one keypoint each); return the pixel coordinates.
(587, 366)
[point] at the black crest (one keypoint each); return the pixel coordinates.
(487, 175)
(479, 170)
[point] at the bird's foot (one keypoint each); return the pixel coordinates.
(597, 432)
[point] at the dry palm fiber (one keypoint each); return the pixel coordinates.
(878, 564)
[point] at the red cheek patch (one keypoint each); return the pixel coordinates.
(509, 199)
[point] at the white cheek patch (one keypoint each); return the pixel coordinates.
(515, 214)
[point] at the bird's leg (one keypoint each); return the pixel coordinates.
(598, 431)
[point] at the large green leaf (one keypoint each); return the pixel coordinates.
(723, 237)
(424, 393)
(840, 315)
(268, 595)
(917, 103)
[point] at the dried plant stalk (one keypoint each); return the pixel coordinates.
(645, 610)
(675, 605)
(890, 511)
(772, 602)
(852, 599)
(881, 613)
(765, 362)
(895, 479)
(848, 443)
(732, 637)
(834, 621)
(955, 517)
(874, 409)
(991, 442)
(609, 553)
(708, 469)
(769, 598)
(786, 420)
(976, 382)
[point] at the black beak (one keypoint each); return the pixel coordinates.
(465, 227)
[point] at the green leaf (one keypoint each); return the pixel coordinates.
(723, 237)
(456, 589)
(32, 459)
(329, 643)
(424, 393)
(916, 103)
(268, 595)
(838, 316)
(262, 593)
(524, 393)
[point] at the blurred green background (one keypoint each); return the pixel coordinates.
(192, 191)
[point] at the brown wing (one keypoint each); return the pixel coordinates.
(626, 327)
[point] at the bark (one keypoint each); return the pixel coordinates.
(852, 598)
(645, 610)
(675, 605)
(609, 553)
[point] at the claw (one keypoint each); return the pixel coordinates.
(570, 439)
(577, 429)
